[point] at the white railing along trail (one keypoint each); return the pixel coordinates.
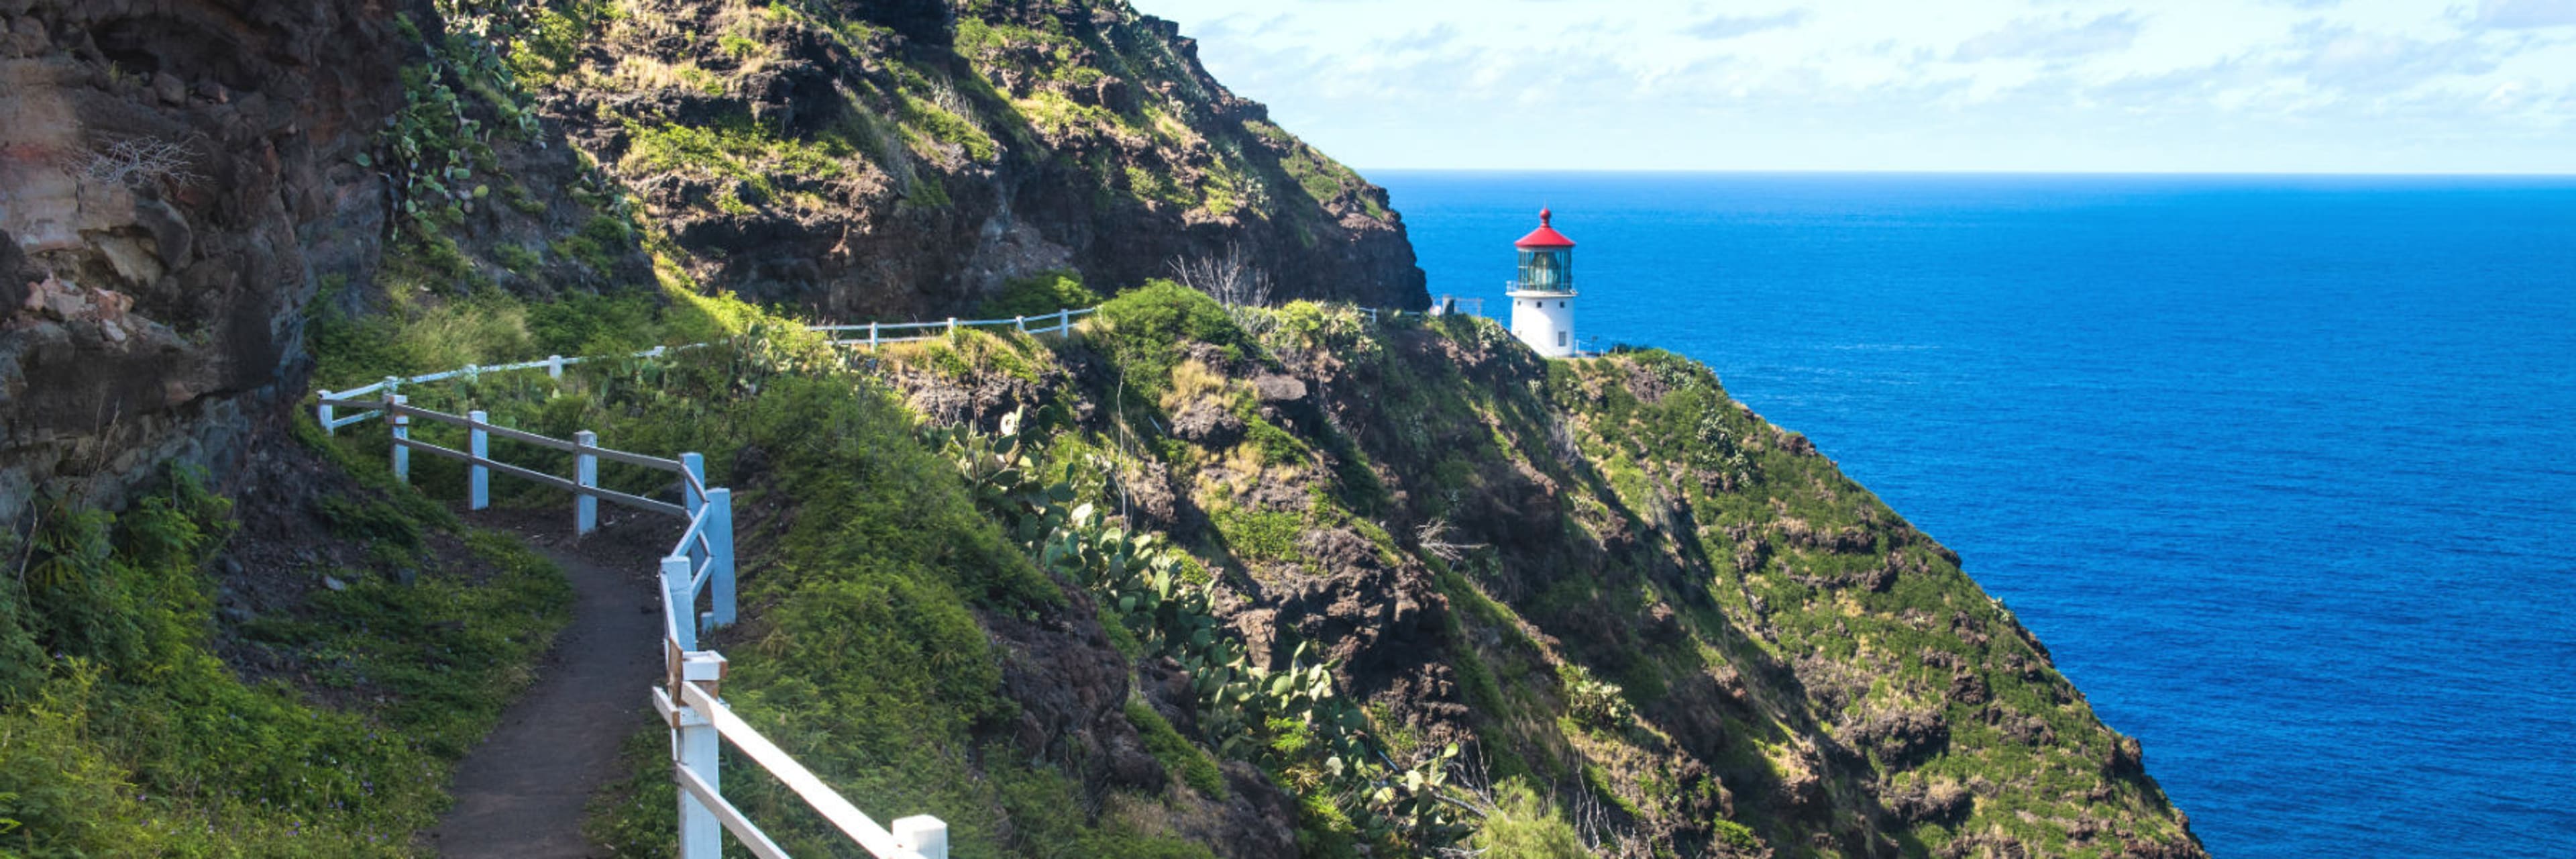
(700, 564)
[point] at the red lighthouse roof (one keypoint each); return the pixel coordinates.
(1545, 237)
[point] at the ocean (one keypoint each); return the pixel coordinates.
(2282, 469)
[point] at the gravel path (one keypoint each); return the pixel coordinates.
(522, 793)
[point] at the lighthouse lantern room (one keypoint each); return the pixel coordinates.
(1543, 296)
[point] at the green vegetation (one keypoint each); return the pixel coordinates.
(1260, 535)
(1521, 826)
(133, 738)
(1193, 766)
(1144, 329)
(488, 328)
(862, 652)
(1290, 719)
(933, 120)
(1040, 295)
(550, 35)
(598, 244)
(1644, 445)
(740, 152)
(519, 259)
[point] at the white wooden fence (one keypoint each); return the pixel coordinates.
(1059, 322)
(876, 334)
(701, 564)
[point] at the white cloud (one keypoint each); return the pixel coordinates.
(2376, 62)
(2053, 39)
(2520, 14)
(2423, 85)
(1730, 26)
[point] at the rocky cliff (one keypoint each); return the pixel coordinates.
(195, 195)
(902, 158)
(1603, 578)
(175, 177)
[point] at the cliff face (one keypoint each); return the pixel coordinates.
(195, 194)
(174, 178)
(1604, 578)
(902, 159)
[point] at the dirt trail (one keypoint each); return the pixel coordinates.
(522, 793)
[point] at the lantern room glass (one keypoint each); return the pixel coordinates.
(1547, 270)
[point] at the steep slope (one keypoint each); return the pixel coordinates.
(207, 207)
(907, 158)
(1603, 578)
(196, 194)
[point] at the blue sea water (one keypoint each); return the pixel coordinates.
(2282, 469)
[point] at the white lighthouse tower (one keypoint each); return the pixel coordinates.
(1543, 296)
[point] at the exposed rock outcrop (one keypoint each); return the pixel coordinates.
(910, 162)
(175, 180)
(185, 185)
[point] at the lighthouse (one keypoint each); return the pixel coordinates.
(1543, 295)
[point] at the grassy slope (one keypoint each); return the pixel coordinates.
(1672, 613)
(123, 732)
(870, 586)
(1754, 655)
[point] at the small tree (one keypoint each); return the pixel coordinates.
(137, 162)
(1230, 278)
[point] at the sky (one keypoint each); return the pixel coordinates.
(2331, 86)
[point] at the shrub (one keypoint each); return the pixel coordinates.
(1593, 703)
(1260, 535)
(1175, 751)
(519, 259)
(1039, 295)
(1522, 826)
(1145, 328)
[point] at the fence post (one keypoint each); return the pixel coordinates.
(585, 472)
(402, 433)
(478, 479)
(1063, 322)
(554, 367)
(1022, 322)
(872, 336)
(952, 326)
(690, 499)
(323, 412)
(694, 747)
(684, 605)
(720, 555)
(922, 834)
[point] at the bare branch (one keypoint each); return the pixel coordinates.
(136, 162)
(1230, 278)
(1433, 537)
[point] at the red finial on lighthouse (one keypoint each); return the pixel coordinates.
(1545, 237)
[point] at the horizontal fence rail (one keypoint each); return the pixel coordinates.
(875, 334)
(699, 565)
(870, 336)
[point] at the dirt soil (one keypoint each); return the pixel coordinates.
(524, 791)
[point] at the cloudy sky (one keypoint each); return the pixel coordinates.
(2477, 86)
